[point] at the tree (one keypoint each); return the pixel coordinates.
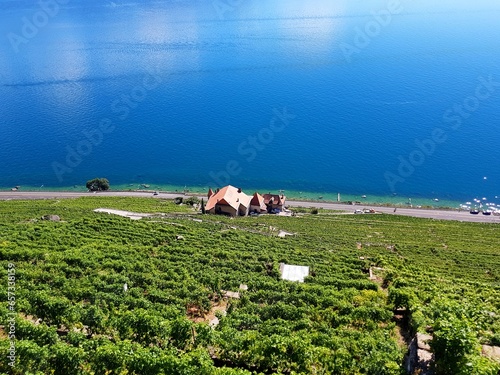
(98, 184)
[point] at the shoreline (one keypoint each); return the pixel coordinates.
(306, 196)
(425, 213)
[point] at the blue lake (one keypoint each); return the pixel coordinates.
(362, 97)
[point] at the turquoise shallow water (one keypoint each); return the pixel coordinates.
(367, 97)
(363, 199)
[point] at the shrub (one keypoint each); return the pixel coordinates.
(191, 201)
(402, 298)
(98, 184)
(453, 341)
(66, 359)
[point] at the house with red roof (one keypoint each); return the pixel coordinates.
(231, 201)
(228, 201)
(257, 204)
(274, 202)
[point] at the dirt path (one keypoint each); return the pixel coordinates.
(129, 214)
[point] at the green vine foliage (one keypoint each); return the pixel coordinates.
(102, 294)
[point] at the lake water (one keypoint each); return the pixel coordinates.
(360, 97)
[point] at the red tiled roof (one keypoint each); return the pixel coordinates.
(258, 200)
(229, 196)
(277, 199)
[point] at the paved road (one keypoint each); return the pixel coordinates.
(415, 212)
(62, 195)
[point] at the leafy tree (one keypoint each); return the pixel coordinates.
(98, 184)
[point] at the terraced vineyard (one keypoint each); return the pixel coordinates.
(102, 294)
